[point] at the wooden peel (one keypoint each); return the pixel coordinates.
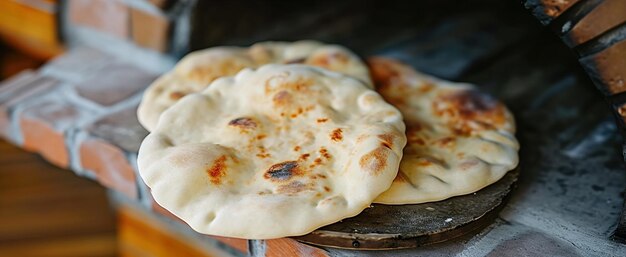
(408, 226)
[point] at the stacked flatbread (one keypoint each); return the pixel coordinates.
(280, 139)
(197, 70)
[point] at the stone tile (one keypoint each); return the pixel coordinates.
(109, 16)
(114, 83)
(532, 244)
(109, 164)
(290, 247)
(120, 128)
(150, 29)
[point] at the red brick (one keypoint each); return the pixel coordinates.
(164, 212)
(608, 68)
(109, 16)
(236, 243)
(290, 247)
(114, 83)
(40, 137)
(43, 127)
(150, 30)
(606, 15)
(109, 164)
(554, 8)
(163, 4)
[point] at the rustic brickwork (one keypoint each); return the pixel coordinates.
(109, 16)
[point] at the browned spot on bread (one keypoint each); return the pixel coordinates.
(446, 141)
(217, 170)
(282, 98)
(322, 120)
(296, 148)
(427, 161)
(263, 155)
(295, 61)
(207, 73)
(243, 122)
(293, 187)
(322, 176)
(262, 152)
(400, 177)
(383, 74)
(327, 189)
(261, 136)
(413, 136)
(304, 157)
(282, 171)
(177, 95)
(386, 140)
(325, 153)
(336, 135)
(414, 126)
(329, 60)
(424, 162)
(390, 79)
(469, 111)
(375, 161)
(418, 141)
(317, 161)
(468, 164)
(426, 87)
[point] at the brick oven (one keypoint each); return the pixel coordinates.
(544, 59)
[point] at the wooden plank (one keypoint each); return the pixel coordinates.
(139, 237)
(30, 29)
(47, 211)
(85, 245)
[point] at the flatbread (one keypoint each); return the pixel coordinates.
(198, 69)
(459, 139)
(275, 152)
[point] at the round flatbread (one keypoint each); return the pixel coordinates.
(198, 69)
(275, 152)
(459, 139)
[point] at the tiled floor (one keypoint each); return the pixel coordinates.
(48, 211)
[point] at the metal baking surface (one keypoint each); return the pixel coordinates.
(409, 226)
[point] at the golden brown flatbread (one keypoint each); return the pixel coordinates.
(198, 69)
(459, 139)
(275, 152)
